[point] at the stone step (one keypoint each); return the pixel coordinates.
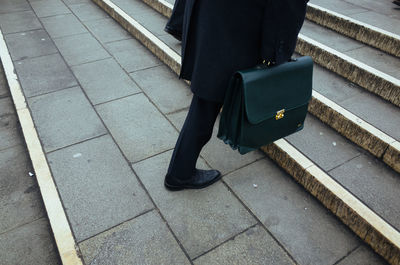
(373, 36)
(377, 232)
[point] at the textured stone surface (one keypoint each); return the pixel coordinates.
(9, 6)
(46, 8)
(132, 8)
(29, 244)
(81, 48)
(44, 74)
(342, 7)
(255, 246)
(310, 233)
(379, 20)
(63, 25)
(29, 44)
(20, 200)
(363, 256)
(64, 117)
(217, 154)
(132, 55)
(19, 21)
(201, 219)
(104, 80)
(373, 183)
(323, 145)
(4, 92)
(97, 186)
(153, 21)
(10, 135)
(107, 30)
(138, 127)
(87, 11)
(143, 240)
(159, 83)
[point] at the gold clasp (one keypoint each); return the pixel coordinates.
(280, 114)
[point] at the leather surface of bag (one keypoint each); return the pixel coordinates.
(264, 104)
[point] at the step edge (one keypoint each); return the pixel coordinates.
(66, 245)
(396, 236)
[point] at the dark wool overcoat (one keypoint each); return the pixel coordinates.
(221, 37)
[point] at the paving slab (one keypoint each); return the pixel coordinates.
(342, 7)
(310, 233)
(200, 219)
(138, 127)
(143, 240)
(97, 187)
(378, 20)
(44, 74)
(81, 48)
(20, 199)
(159, 83)
(363, 256)
(382, 7)
(132, 8)
(9, 6)
(30, 244)
(217, 154)
(152, 21)
(29, 44)
(132, 55)
(88, 11)
(107, 30)
(46, 8)
(104, 80)
(329, 37)
(64, 117)
(19, 21)
(171, 42)
(4, 92)
(373, 183)
(255, 246)
(10, 135)
(323, 145)
(73, 2)
(63, 25)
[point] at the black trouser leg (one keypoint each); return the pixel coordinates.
(175, 22)
(195, 133)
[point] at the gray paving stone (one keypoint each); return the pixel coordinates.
(329, 37)
(373, 183)
(9, 6)
(46, 8)
(201, 219)
(153, 21)
(81, 48)
(138, 127)
(19, 21)
(29, 44)
(63, 25)
(342, 7)
(73, 2)
(377, 59)
(29, 244)
(132, 55)
(323, 145)
(104, 80)
(44, 74)
(107, 30)
(20, 200)
(255, 246)
(9, 126)
(171, 42)
(310, 233)
(217, 154)
(64, 117)
(164, 88)
(88, 11)
(363, 256)
(132, 8)
(97, 187)
(380, 7)
(143, 240)
(379, 20)
(4, 92)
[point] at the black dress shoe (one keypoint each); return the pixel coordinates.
(175, 33)
(200, 179)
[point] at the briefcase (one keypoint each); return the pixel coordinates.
(266, 103)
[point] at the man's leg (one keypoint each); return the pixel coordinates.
(195, 133)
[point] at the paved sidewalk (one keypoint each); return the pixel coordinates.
(108, 114)
(25, 234)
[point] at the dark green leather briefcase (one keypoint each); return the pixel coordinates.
(264, 104)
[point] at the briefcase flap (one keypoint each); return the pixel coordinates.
(269, 91)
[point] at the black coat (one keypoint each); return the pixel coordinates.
(221, 37)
